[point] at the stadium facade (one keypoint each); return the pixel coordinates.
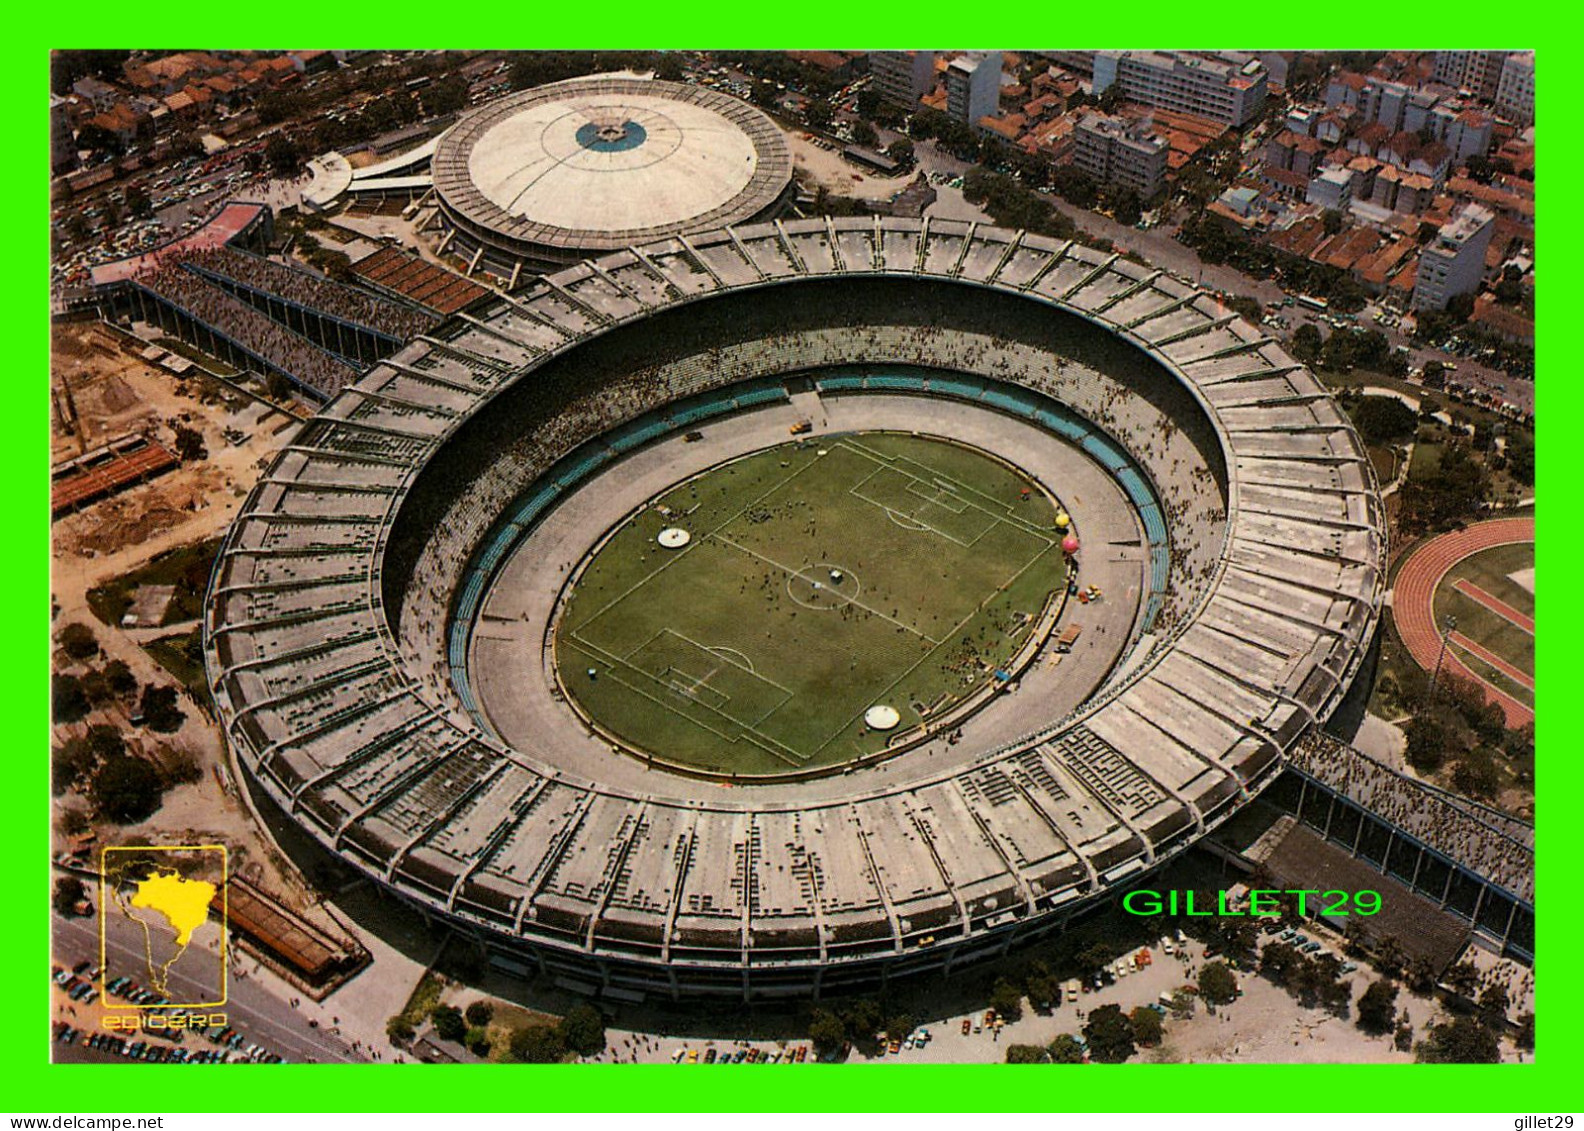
(334, 656)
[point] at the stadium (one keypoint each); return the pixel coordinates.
(445, 623)
(569, 170)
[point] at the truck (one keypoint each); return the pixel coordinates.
(1069, 636)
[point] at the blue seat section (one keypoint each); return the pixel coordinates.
(581, 464)
(1067, 427)
(890, 381)
(760, 396)
(638, 432)
(839, 383)
(1009, 402)
(954, 387)
(1106, 453)
(692, 414)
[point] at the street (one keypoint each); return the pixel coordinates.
(252, 1010)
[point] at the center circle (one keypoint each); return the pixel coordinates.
(819, 580)
(611, 137)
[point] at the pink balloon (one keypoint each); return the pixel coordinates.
(1070, 544)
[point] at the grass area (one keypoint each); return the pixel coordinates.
(181, 655)
(185, 567)
(424, 997)
(1426, 456)
(1384, 459)
(745, 652)
(1488, 569)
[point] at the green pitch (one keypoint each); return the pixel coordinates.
(822, 578)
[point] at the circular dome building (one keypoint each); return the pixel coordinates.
(578, 168)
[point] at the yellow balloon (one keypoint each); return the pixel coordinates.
(1062, 520)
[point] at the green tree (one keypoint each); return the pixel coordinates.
(1524, 1038)
(1462, 980)
(77, 640)
(583, 1030)
(1110, 1035)
(901, 151)
(477, 1041)
(68, 701)
(1006, 999)
(1147, 1027)
(826, 1031)
(1494, 1001)
(1026, 1054)
(818, 113)
(1477, 774)
(159, 709)
(1427, 743)
(448, 1023)
(1333, 221)
(479, 1013)
(399, 1029)
(864, 134)
(1390, 957)
(282, 154)
(538, 1043)
(1216, 984)
(1377, 1007)
(119, 677)
(69, 892)
(1421, 976)
(1065, 1049)
(1307, 342)
(126, 790)
(1463, 1040)
(1383, 420)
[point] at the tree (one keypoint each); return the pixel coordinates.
(1377, 1007)
(826, 1031)
(538, 1043)
(1390, 958)
(1524, 1038)
(1460, 307)
(477, 1041)
(190, 443)
(399, 1029)
(282, 154)
(68, 701)
(119, 677)
(1126, 207)
(104, 742)
(1110, 1035)
(1147, 1027)
(1421, 976)
(126, 790)
(1383, 420)
(1521, 460)
(583, 1030)
(159, 709)
(69, 892)
(1462, 979)
(1006, 999)
(864, 134)
(137, 202)
(77, 640)
(1092, 959)
(1403, 1040)
(869, 102)
(1427, 743)
(1494, 1001)
(1065, 1049)
(1307, 343)
(479, 1013)
(1477, 774)
(818, 113)
(1026, 1054)
(1216, 984)
(448, 1023)
(901, 151)
(668, 68)
(1462, 1040)
(1333, 221)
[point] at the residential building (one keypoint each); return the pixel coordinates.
(903, 77)
(1515, 89)
(973, 86)
(63, 147)
(1454, 262)
(1478, 72)
(1116, 153)
(1189, 84)
(1331, 189)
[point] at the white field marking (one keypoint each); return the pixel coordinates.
(991, 505)
(746, 666)
(682, 554)
(763, 741)
(791, 571)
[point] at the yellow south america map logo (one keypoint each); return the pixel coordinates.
(162, 921)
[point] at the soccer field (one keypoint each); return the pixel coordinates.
(821, 579)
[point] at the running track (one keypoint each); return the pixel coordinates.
(1414, 593)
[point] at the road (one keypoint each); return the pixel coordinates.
(257, 1014)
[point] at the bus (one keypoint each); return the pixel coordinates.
(1312, 303)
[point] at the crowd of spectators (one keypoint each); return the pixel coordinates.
(390, 319)
(1488, 844)
(271, 344)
